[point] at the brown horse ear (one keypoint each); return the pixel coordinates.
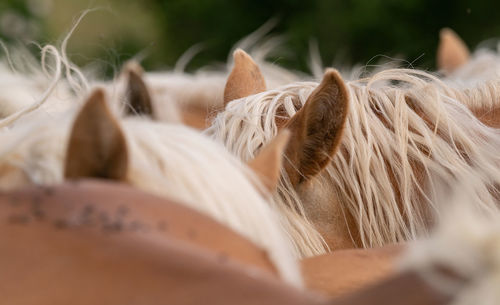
(97, 146)
(245, 78)
(137, 92)
(452, 52)
(317, 128)
(267, 164)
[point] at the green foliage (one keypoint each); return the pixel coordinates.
(352, 31)
(21, 20)
(348, 31)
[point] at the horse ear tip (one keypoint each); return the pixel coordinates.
(445, 32)
(332, 76)
(96, 99)
(332, 72)
(239, 52)
(133, 75)
(133, 66)
(98, 94)
(241, 56)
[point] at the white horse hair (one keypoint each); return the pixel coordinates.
(398, 119)
(483, 64)
(466, 243)
(168, 160)
(28, 85)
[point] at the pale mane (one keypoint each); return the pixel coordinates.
(178, 162)
(384, 141)
(51, 85)
(466, 244)
(28, 85)
(167, 160)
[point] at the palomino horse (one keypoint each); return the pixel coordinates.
(364, 155)
(168, 160)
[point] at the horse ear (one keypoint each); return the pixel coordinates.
(317, 128)
(97, 146)
(452, 52)
(245, 78)
(137, 92)
(267, 164)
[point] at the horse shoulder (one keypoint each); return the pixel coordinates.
(109, 209)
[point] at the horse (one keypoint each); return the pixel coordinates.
(168, 160)
(364, 155)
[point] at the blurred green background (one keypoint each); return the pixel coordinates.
(348, 32)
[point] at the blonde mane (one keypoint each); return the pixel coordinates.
(465, 244)
(399, 120)
(167, 160)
